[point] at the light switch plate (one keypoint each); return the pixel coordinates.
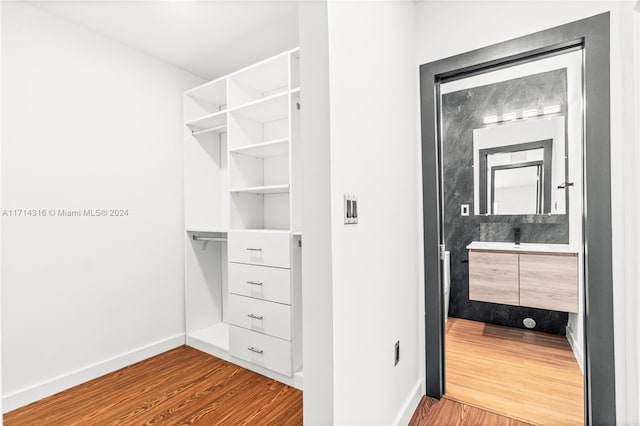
(464, 209)
(350, 209)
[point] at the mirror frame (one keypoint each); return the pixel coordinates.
(591, 36)
(545, 144)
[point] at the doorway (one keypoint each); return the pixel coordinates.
(510, 142)
(590, 37)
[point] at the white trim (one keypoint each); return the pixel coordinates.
(632, 292)
(410, 405)
(33, 393)
(575, 347)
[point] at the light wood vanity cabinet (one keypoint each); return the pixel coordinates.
(536, 280)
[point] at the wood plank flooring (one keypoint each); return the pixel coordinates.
(522, 374)
(181, 387)
(517, 377)
(447, 412)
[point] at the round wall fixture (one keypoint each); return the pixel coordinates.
(529, 322)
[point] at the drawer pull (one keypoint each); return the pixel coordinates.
(254, 283)
(254, 249)
(258, 351)
(258, 317)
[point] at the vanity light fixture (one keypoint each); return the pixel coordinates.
(490, 119)
(551, 109)
(527, 113)
(509, 116)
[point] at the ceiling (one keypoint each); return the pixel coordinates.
(206, 38)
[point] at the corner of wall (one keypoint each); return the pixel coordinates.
(575, 347)
(317, 292)
(1, 404)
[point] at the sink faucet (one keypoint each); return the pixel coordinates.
(516, 235)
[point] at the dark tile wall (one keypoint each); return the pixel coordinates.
(462, 112)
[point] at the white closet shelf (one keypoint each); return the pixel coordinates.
(213, 92)
(213, 122)
(216, 129)
(266, 149)
(264, 76)
(265, 110)
(218, 230)
(265, 230)
(216, 335)
(268, 189)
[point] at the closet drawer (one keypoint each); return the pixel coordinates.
(260, 248)
(261, 282)
(260, 349)
(265, 317)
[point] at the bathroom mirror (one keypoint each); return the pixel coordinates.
(519, 167)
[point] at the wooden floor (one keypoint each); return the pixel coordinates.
(522, 374)
(495, 376)
(447, 412)
(180, 387)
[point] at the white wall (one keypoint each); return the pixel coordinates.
(317, 293)
(633, 303)
(1, 405)
(449, 28)
(87, 124)
(374, 145)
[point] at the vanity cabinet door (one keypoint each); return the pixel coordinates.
(549, 282)
(493, 277)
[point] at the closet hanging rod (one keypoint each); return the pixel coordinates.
(198, 238)
(209, 129)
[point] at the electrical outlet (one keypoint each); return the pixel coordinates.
(396, 353)
(350, 209)
(464, 209)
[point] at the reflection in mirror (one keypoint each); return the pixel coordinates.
(518, 167)
(529, 190)
(516, 188)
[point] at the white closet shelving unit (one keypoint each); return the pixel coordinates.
(242, 218)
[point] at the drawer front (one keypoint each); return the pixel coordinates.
(549, 282)
(260, 248)
(261, 282)
(266, 351)
(265, 317)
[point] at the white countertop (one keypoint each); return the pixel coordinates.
(523, 247)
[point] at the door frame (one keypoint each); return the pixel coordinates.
(592, 36)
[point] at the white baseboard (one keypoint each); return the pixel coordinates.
(410, 405)
(33, 393)
(576, 348)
